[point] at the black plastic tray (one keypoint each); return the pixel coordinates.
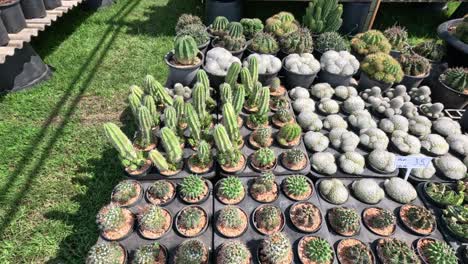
(172, 238)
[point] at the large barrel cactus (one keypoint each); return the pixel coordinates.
(186, 50)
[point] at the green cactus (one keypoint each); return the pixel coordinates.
(264, 157)
(137, 91)
(263, 184)
(152, 219)
(253, 69)
(235, 29)
(461, 30)
(318, 250)
(124, 191)
(186, 20)
(280, 102)
(134, 101)
(203, 156)
(283, 115)
(299, 41)
(262, 136)
(202, 78)
(397, 251)
(345, 220)
(323, 16)
(382, 67)
(264, 43)
(275, 85)
(420, 217)
(110, 218)
(190, 217)
(186, 50)
(382, 220)
(158, 160)
(369, 42)
(233, 74)
(268, 217)
(444, 194)
(170, 118)
(281, 24)
(331, 41)
(192, 187)
(191, 251)
(456, 78)
(246, 80)
(238, 99)
(455, 217)
(148, 102)
(414, 65)
(251, 26)
(439, 252)
(171, 147)
(398, 37)
(230, 217)
(358, 254)
(234, 40)
(199, 100)
(160, 189)
(305, 215)
(179, 106)
(254, 97)
(129, 157)
(225, 93)
(297, 185)
(288, 133)
(230, 188)
(149, 253)
(145, 125)
(431, 50)
(105, 253)
(155, 89)
(194, 125)
(263, 104)
(219, 26)
(276, 248)
(230, 123)
(233, 252)
(197, 32)
(228, 155)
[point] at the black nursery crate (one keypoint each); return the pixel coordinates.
(252, 237)
(172, 238)
(364, 234)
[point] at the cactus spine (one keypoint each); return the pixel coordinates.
(148, 102)
(230, 122)
(235, 29)
(186, 50)
(253, 69)
(194, 124)
(171, 146)
(246, 80)
(238, 99)
(145, 123)
(225, 93)
(170, 118)
(233, 74)
(155, 89)
(158, 160)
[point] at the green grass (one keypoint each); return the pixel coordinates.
(56, 170)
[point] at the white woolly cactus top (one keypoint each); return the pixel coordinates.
(451, 167)
(361, 119)
(396, 122)
(433, 110)
(334, 121)
(368, 191)
(322, 90)
(382, 160)
(353, 104)
(374, 138)
(458, 143)
(266, 63)
(180, 90)
(303, 105)
(405, 142)
(304, 63)
(299, 92)
(420, 126)
(372, 94)
(339, 63)
(342, 139)
(423, 173)
(309, 121)
(329, 106)
(446, 126)
(409, 110)
(344, 92)
(352, 163)
(387, 107)
(316, 141)
(398, 91)
(334, 191)
(421, 95)
(218, 60)
(435, 144)
(400, 190)
(323, 162)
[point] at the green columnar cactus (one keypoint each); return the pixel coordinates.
(148, 102)
(254, 97)
(192, 187)
(203, 155)
(137, 91)
(193, 124)
(382, 67)
(170, 118)
(440, 252)
(134, 101)
(370, 42)
(420, 217)
(179, 106)
(299, 41)
(263, 184)
(152, 218)
(171, 146)
(155, 89)
(397, 36)
(276, 248)
(281, 24)
(318, 250)
(253, 69)
(331, 41)
(456, 78)
(187, 19)
(246, 80)
(158, 160)
(261, 116)
(219, 26)
(129, 157)
(397, 251)
(186, 50)
(225, 93)
(202, 78)
(191, 251)
(230, 123)
(238, 99)
(233, 74)
(105, 253)
(228, 155)
(251, 26)
(414, 65)
(110, 217)
(268, 217)
(264, 43)
(235, 29)
(289, 133)
(230, 217)
(430, 49)
(148, 253)
(199, 103)
(145, 124)
(461, 31)
(323, 16)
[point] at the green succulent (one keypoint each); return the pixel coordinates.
(414, 65)
(264, 157)
(219, 26)
(398, 37)
(358, 254)
(262, 136)
(323, 16)
(187, 20)
(299, 41)
(444, 194)
(439, 252)
(331, 41)
(382, 67)
(191, 252)
(234, 40)
(456, 78)
(105, 253)
(251, 26)
(124, 191)
(289, 133)
(190, 217)
(263, 184)
(268, 217)
(297, 185)
(203, 155)
(147, 254)
(264, 43)
(280, 102)
(283, 115)
(397, 252)
(382, 220)
(198, 33)
(461, 30)
(230, 216)
(305, 215)
(318, 250)
(276, 248)
(160, 189)
(430, 49)
(456, 218)
(231, 188)
(345, 220)
(281, 24)
(294, 156)
(233, 252)
(152, 218)
(110, 217)
(369, 42)
(192, 187)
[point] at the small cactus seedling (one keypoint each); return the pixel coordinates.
(186, 50)
(161, 192)
(370, 42)
(153, 219)
(262, 136)
(193, 188)
(125, 191)
(382, 220)
(230, 217)
(233, 252)
(231, 188)
(396, 251)
(357, 254)
(344, 220)
(297, 186)
(149, 253)
(263, 185)
(264, 158)
(276, 249)
(107, 252)
(431, 50)
(268, 219)
(317, 250)
(294, 157)
(439, 252)
(111, 218)
(456, 78)
(289, 134)
(419, 218)
(190, 218)
(191, 251)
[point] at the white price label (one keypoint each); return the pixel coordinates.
(412, 162)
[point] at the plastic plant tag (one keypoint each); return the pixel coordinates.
(411, 162)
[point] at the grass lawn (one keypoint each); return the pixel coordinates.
(56, 170)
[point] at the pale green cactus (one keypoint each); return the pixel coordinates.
(155, 89)
(233, 74)
(225, 93)
(129, 157)
(193, 124)
(171, 146)
(148, 102)
(145, 124)
(230, 122)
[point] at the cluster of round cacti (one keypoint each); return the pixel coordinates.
(268, 217)
(230, 217)
(230, 188)
(297, 185)
(344, 220)
(234, 39)
(372, 41)
(414, 65)
(264, 43)
(281, 24)
(382, 67)
(251, 26)
(186, 20)
(233, 252)
(299, 41)
(192, 187)
(398, 37)
(396, 251)
(331, 41)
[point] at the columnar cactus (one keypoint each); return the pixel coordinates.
(323, 16)
(414, 65)
(179, 106)
(299, 41)
(230, 123)
(199, 99)
(219, 25)
(203, 155)
(171, 146)
(225, 93)
(238, 99)
(128, 155)
(289, 132)
(233, 74)
(193, 124)
(382, 67)
(264, 43)
(254, 97)
(148, 102)
(145, 124)
(170, 118)
(253, 68)
(246, 80)
(261, 116)
(228, 155)
(158, 160)
(397, 36)
(134, 102)
(186, 50)
(369, 42)
(202, 78)
(155, 89)
(456, 78)
(251, 26)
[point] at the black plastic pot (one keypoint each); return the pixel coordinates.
(4, 39)
(203, 48)
(267, 78)
(457, 51)
(231, 9)
(293, 79)
(12, 16)
(215, 80)
(354, 17)
(33, 9)
(412, 81)
(448, 96)
(395, 54)
(182, 74)
(237, 54)
(334, 79)
(464, 121)
(52, 4)
(366, 83)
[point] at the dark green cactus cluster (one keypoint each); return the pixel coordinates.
(299, 41)
(358, 254)
(331, 41)
(110, 217)
(105, 253)
(251, 26)
(283, 115)
(268, 217)
(249, 79)
(174, 154)
(228, 155)
(323, 16)
(461, 30)
(263, 104)
(384, 219)
(191, 251)
(345, 220)
(150, 104)
(280, 102)
(230, 188)
(318, 250)
(233, 252)
(152, 218)
(281, 24)
(398, 37)
(288, 133)
(219, 26)
(262, 136)
(160, 189)
(276, 248)
(297, 185)
(124, 191)
(234, 40)
(190, 217)
(192, 187)
(230, 79)
(231, 125)
(305, 215)
(444, 194)
(263, 184)
(414, 65)
(431, 50)
(456, 78)
(186, 50)
(264, 43)
(397, 251)
(439, 252)
(370, 42)
(197, 32)
(456, 218)
(382, 67)
(264, 157)
(230, 217)
(294, 156)
(186, 20)
(147, 254)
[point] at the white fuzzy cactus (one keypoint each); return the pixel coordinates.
(334, 191)
(339, 63)
(344, 140)
(218, 60)
(304, 63)
(299, 92)
(409, 110)
(433, 110)
(324, 163)
(420, 126)
(352, 163)
(267, 63)
(420, 95)
(180, 90)
(353, 104)
(451, 167)
(309, 121)
(396, 122)
(322, 90)
(345, 92)
(328, 106)
(398, 91)
(303, 105)
(334, 121)
(372, 94)
(368, 191)
(435, 144)
(446, 126)
(361, 119)
(387, 107)
(423, 173)
(374, 138)
(382, 160)
(316, 141)
(458, 143)
(400, 190)
(405, 142)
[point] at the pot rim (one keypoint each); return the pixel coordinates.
(213, 44)
(449, 88)
(170, 54)
(443, 33)
(290, 72)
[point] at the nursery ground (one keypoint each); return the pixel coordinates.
(56, 170)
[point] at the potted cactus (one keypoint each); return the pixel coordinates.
(276, 89)
(323, 16)
(161, 192)
(115, 223)
(254, 98)
(127, 193)
(230, 158)
(452, 88)
(453, 218)
(268, 219)
(201, 102)
(434, 251)
(251, 26)
(299, 41)
(279, 102)
(294, 159)
(397, 37)
(300, 69)
(230, 190)
(233, 252)
(416, 68)
(329, 41)
(417, 219)
(275, 249)
(186, 20)
(434, 51)
(264, 189)
(231, 124)
(193, 189)
(443, 194)
(174, 123)
(157, 91)
(333, 191)
(184, 61)
(217, 64)
(172, 163)
(198, 33)
(338, 68)
(281, 24)
(4, 39)
(192, 251)
(379, 69)
(261, 138)
(312, 249)
(351, 250)
(132, 159)
(107, 252)
(201, 161)
(234, 41)
(263, 159)
(218, 28)
(297, 187)
(263, 43)
(369, 42)
(282, 117)
(145, 137)
(289, 135)
(154, 222)
(266, 66)
(455, 34)
(392, 250)
(191, 221)
(231, 221)
(305, 216)
(380, 221)
(344, 221)
(151, 253)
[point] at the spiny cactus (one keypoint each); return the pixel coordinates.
(358, 254)
(230, 188)
(171, 146)
(443, 193)
(186, 50)
(202, 77)
(331, 41)
(228, 155)
(152, 218)
(105, 253)
(134, 101)
(233, 252)
(263, 184)
(187, 19)
(235, 29)
(294, 156)
(461, 30)
(264, 157)
(194, 125)
(191, 251)
(430, 49)
(281, 24)
(137, 91)
(370, 42)
(288, 133)
(382, 220)
(192, 187)
(230, 217)
(382, 67)
(253, 69)
(254, 96)
(439, 252)
(111, 217)
(219, 26)
(160, 189)
(190, 217)
(261, 116)
(158, 160)
(268, 217)
(275, 85)
(262, 136)
(318, 250)
(197, 32)
(179, 106)
(199, 99)
(283, 115)
(264, 43)
(246, 80)
(145, 124)
(155, 89)
(299, 41)
(456, 78)
(170, 118)
(276, 248)
(420, 217)
(455, 217)
(129, 157)
(148, 102)
(124, 191)
(397, 36)
(251, 26)
(238, 99)
(230, 123)
(233, 74)
(323, 16)
(225, 93)
(297, 185)
(305, 215)
(203, 155)
(414, 65)
(234, 40)
(148, 253)
(345, 220)
(397, 251)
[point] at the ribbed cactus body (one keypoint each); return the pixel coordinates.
(414, 65)
(186, 50)
(171, 145)
(456, 78)
(170, 118)
(202, 78)
(397, 36)
(233, 74)
(137, 91)
(299, 41)
(238, 99)
(149, 103)
(155, 89)
(134, 102)
(323, 16)
(255, 95)
(179, 106)
(230, 122)
(203, 150)
(264, 101)
(199, 99)
(220, 23)
(289, 132)
(119, 140)
(253, 69)
(225, 93)
(246, 80)
(222, 139)
(158, 160)
(193, 122)
(235, 29)
(145, 123)
(264, 43)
